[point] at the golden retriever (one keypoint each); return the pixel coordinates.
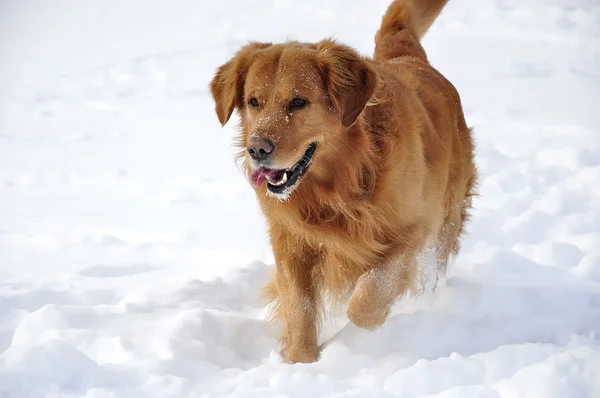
(358, 164)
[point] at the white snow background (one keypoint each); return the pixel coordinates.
(132, 250)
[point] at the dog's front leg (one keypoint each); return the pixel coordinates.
(297, 305)
(376, 291)
(298, 308)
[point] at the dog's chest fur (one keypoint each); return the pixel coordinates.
(325, 246)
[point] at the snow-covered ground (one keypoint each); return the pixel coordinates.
(132, 249)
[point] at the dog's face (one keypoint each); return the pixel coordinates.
(296, 102)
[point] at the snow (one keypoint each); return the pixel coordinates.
(132, 249)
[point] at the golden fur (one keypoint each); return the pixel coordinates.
(393, 170)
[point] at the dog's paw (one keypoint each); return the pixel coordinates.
(366, 319)
(298, 354)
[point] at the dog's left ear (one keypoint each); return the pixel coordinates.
(227, 86)
(349, 79)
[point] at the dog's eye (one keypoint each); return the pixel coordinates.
(253, 102)
(297, 103)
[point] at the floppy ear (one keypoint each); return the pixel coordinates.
(350, 80)
(227, 86)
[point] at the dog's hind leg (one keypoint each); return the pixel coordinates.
(453, 227)
(447, 241)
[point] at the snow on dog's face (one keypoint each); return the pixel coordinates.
(296, 102)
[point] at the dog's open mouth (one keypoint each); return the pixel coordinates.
(280, 180)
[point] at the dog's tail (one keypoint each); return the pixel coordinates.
(403, 25)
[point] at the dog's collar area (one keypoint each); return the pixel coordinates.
(289, 177)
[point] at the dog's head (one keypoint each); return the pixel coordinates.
(296, 103)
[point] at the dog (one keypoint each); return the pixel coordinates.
(358, 164)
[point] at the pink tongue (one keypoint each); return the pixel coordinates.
(260, 175)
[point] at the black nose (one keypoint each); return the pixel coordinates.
(260, 148)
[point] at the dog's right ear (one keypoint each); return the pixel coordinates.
(227, 86)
